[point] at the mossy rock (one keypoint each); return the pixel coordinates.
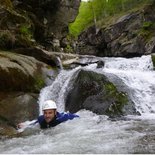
(93, 91)
(119, 99)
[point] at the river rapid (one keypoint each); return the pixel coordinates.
(92, 133)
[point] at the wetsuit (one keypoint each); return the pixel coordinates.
(59, 118)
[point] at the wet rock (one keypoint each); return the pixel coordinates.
(20, 73)
(93, 91)
(39, 54)
(17, 107)
(84, 60)
(100, 64)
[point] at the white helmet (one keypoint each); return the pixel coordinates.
(49, 104)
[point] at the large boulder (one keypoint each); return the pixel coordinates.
(93, 91)
(20, 73)
(16, 107)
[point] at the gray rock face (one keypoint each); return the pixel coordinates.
(17, 107)
(132, 35)
(58, 22)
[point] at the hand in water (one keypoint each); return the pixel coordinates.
(20, 125)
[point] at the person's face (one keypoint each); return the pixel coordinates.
(49, 115)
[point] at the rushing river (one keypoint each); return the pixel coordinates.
(93, 133)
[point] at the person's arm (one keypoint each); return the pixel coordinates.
(23, 125)
(61, 117)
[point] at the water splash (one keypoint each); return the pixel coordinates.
(139, 77)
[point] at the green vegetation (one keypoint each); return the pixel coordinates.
(83, 19)
(25, 31)
(147, 30)
(101, 12)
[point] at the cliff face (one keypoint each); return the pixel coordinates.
(53, 15)
(26, 23)
(132, 35)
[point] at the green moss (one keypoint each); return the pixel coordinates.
(119, 98)
(24, 30)
(147, 25)
(147, 30)
(68, 49)
(39, 83)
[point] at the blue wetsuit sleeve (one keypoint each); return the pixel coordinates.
(40, 119)
(61, 117)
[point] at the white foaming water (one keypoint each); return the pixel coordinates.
(93, 133)
(58, 89)
(143, 63)
(90, 133)
(139, 77)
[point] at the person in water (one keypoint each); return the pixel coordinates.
(50, 117)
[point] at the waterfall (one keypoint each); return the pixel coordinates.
(57, 91)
